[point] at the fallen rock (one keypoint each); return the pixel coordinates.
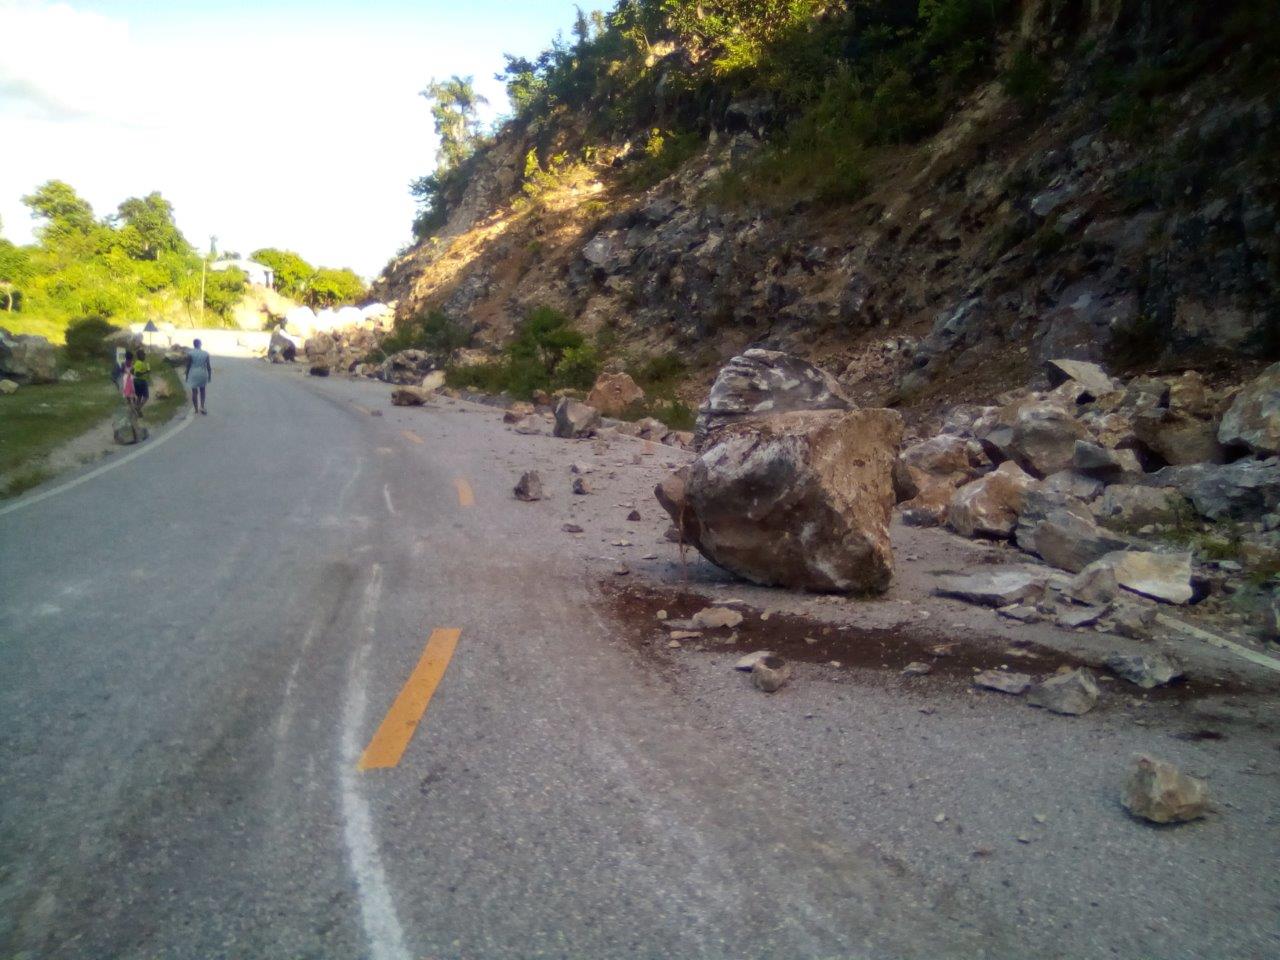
(281, 349)
(1146, 670)
(1091, 377)
(1160, 792)
(800, 500)
(69, 376)
(581, 487)
(1071, 694)
(1244, 490)
(1062, 532)
(989, 506)
(614, 393)
(766, 383)
(1073, 484)
(27, 358)
(529, 486)
(8, 387)
(1044, 438)
(407, 367)
(1022, 612)
(575, 419)
(517, 412)
(1160, 576)
(992, 588)
(530, 426)
(409, 397)
(716, 618)
(319, 370)
(1131, 506)
(917, 668)
(126, 430)
(1253, 420)
(1097, 461)
(1178, 438)
(1074, 618)
(1096, 584)
(1133, 621)
(748, 663)
(634, 516)
(433, 381)
(1002, 681)
(571, 528)
(771, 673)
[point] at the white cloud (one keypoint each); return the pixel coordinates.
(305, 140)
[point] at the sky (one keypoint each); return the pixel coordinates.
(270, 123)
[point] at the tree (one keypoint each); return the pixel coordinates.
(62, 209)
(148, 227)
(334, 285)
(293, 274)
(453, 107)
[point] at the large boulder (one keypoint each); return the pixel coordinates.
(319, 347)
(281, 349)
(1044, 438)
(1061, 531)
(989, 506)
(575, 419)
(1091, 378)
(1253, 420)
(27, 358)
(762, 383)
(1160, 576)
(1244, 490)
(300, 321)
(614, 393)
(126, 430)
(1130, 506)
(799, 499)
(406, 367)
(1178, 438)
(926, 476)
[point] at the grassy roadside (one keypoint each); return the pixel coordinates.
(37, 420)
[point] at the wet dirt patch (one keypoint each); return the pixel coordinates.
(869, 653)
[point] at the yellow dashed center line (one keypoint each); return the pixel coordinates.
(398, 726)
(410, 435)
(466, 498)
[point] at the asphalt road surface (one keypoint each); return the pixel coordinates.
(211, 657)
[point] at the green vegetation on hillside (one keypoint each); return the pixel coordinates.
(314, 286)
(124, 267)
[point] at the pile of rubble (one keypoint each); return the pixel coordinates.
(1113, 481)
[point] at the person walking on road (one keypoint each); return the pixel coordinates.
(141, 382)
(199, 373)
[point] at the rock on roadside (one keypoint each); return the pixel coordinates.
(528, 487)
(575, 419)
(800, 500)
(1161, 793)
(1071, 694)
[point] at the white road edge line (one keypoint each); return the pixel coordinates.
(377, 910)
(98, 471)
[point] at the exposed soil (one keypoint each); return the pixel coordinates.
(869, 654)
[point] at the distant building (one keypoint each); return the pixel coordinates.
(254, 272)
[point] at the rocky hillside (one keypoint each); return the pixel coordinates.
(1106, 191)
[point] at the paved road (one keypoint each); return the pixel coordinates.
(197, 646)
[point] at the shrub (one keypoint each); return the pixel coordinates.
(1029, 82)
(432, 331)
(86, 336)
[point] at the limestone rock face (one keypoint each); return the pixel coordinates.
(799, 500)
(1044, 438)
(762, 383)
(1253, 420)
(1160, 792)
(613, 393)
(989, 506)
(575, 419)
